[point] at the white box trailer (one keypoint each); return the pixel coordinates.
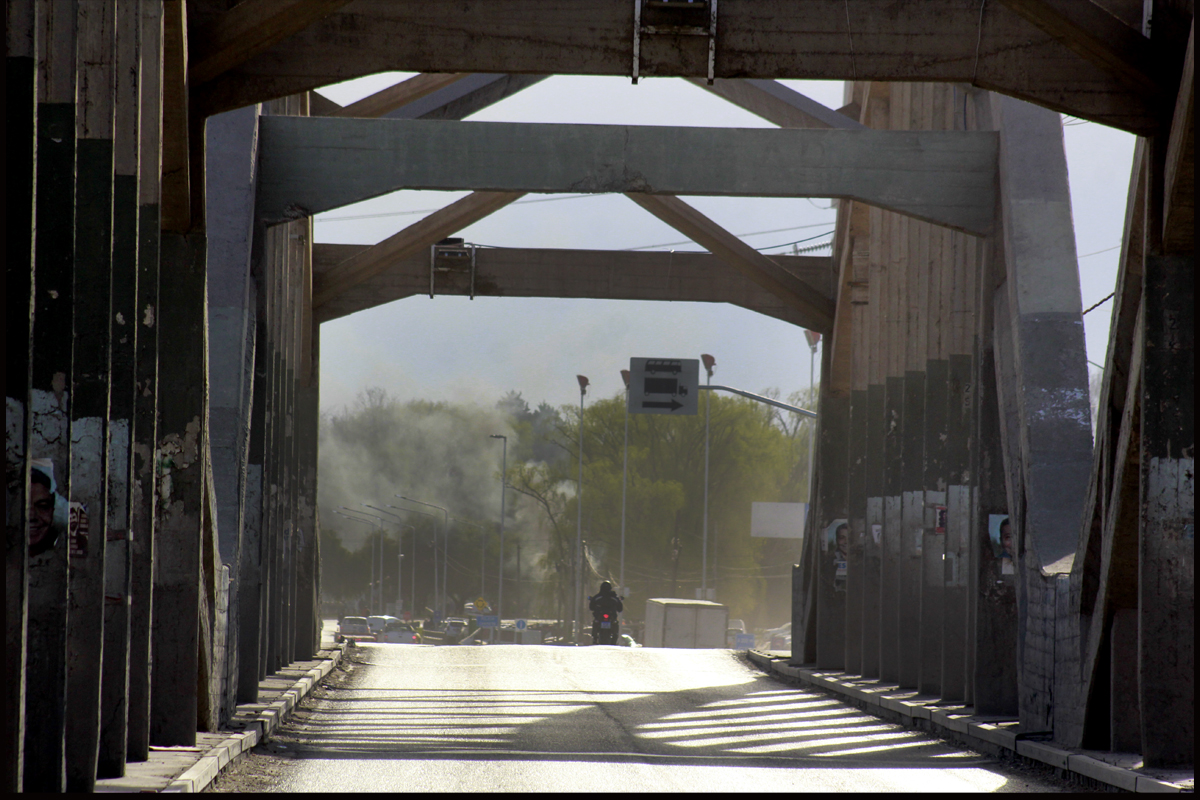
(693, 624)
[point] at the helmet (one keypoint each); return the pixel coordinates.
(605, 587)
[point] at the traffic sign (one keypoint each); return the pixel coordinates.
(664, 386)
(487, 621)
(521, 624)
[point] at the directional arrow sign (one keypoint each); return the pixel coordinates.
(663, 385)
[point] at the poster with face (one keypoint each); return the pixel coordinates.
(48, 512)
(1001, 536)
(837, 540)
(876, 533)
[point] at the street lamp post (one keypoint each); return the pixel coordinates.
(814, 339)
(445, 548)
(356, 519)
(578, 626)
(624, 477)
(503, 482)
(374, 561)
(399, 557)
(709, 363)
(435, 557)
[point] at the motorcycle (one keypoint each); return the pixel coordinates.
(606, 629)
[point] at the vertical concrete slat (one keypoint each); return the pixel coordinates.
(1166, 548)
(123, 328)
(229, 197)
(831, 603)
(143, 489)
(21, 137)
(50, 396)
(873, 440)
(90, 385)
(182, 389)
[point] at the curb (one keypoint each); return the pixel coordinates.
(956, 723)
(257, 729)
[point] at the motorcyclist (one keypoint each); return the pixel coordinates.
(605, 602)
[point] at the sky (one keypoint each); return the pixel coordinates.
(474, 351)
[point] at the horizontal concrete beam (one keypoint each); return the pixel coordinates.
(904, 40)
(310, 165)
(601, 274)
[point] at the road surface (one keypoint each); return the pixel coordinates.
(541, 718)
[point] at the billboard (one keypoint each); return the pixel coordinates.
(778, 520)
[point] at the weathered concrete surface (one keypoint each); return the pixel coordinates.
(309, 165)
(21, 143)
(1166, 551)
(183, 384)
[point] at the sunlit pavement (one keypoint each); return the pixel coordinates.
(539, 718)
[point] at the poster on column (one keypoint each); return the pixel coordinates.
(836, 538)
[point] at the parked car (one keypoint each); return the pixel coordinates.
(378, 624)
(740, 625)
(399, 632)
(354, 629)
(456, 628)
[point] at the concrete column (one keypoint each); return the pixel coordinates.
(90, 384)
(21, 108)
(183, 384)
(958, 461)
(832, 505)
(229, 196)
(143, 489)
(274, 447)
(856, 473)
(252, 566)
(890, 561)
(123, 329)
(1050, 380)
(308, 412)
(1166, 548)
(50, 396)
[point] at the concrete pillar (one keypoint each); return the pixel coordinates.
(50, 396)
(308, 412)
(21, 109)
(872, 559)
(857, 500)
(274, 447)
(1166, 549)
(1050, 386)
(94, 119)
(832, 507)
(229, 195)
(912, 496)
(183, 389)
(21, 106)
(1125, 729)
(890, 561)
(123, 329)
(251, 591)
(143, 486)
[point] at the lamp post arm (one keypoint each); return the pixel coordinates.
(785, 406)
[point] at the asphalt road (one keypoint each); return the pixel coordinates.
(541, 718)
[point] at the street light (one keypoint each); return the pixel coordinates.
(813, 338)
(709, 363)
(503, 478)
(399, 558)
(624, 477)
(435, 557)
(578, 626)
(445, 547)
(378, 527)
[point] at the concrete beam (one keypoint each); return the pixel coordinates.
(818, 309)
(395, 97)
(370, 262)
(1094, 34)
(464, 97)
(777, 103)
(313, 165)
(914, 40)
(601, 274)
(247, 29)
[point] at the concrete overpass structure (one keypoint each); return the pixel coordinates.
(165, 297)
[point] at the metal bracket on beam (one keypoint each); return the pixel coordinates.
(690, 7)
(451, 255)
